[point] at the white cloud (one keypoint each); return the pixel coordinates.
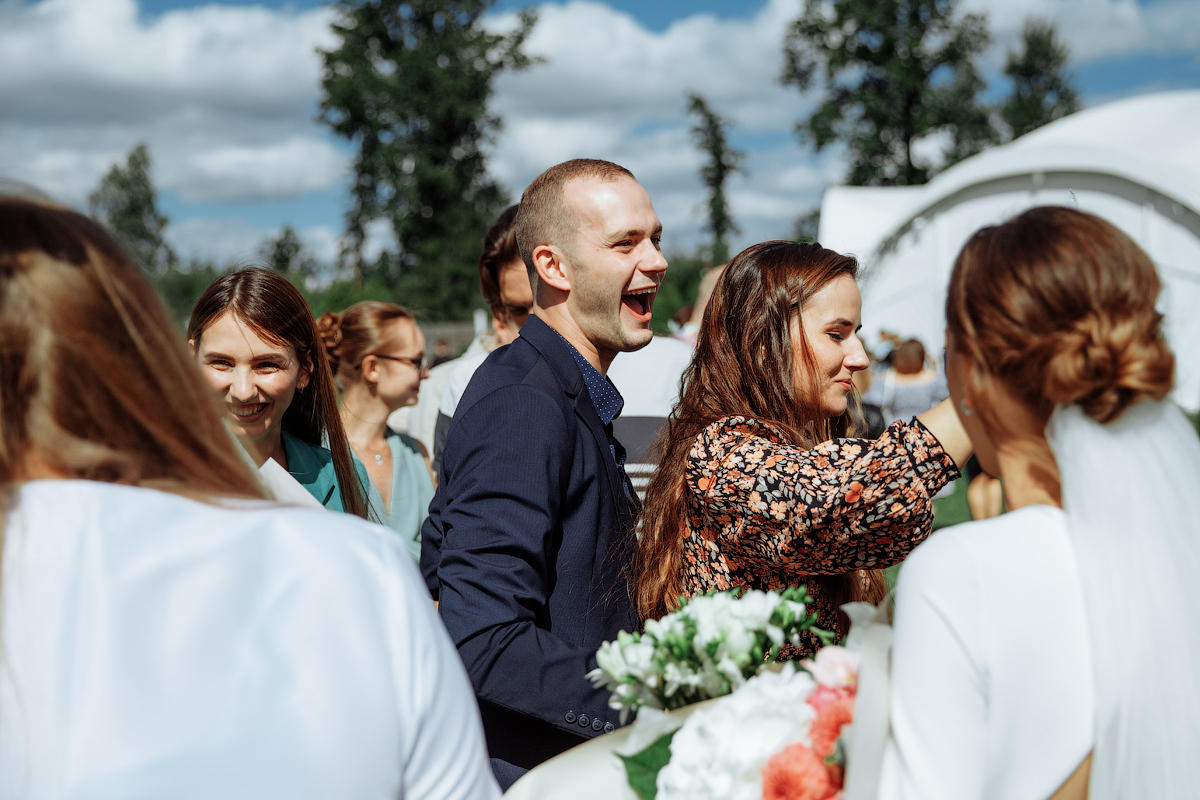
(613, 89)
(1096, 29)
(234, 240)
(224, 96)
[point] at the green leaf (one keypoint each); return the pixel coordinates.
(642, 768)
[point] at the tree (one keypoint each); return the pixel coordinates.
(1042, 90)
(287, 255)
(126, 203)
(723, 161)
(894, 72)
(807, 225)
(409, 85)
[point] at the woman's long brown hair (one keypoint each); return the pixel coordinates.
(95, 381)
(277, 311)
(744, 365)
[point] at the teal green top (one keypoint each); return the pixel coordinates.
(412, 489)
(312, 466)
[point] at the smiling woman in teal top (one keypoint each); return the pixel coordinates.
(257, 345)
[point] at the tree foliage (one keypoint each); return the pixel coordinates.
(806, 226)
(894, 72)
(288, 256)
(409, 85)
(126, 203)
(723, 161)
(1042, 90)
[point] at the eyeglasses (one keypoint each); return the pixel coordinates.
(416, 363)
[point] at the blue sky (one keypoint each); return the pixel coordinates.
(225, 95)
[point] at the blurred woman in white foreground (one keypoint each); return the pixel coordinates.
(1055, 650)
(166, 632)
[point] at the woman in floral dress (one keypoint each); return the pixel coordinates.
(757, 484)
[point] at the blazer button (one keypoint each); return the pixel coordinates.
(570, 716)
(596, 724)
(609, 727)
(584, 719)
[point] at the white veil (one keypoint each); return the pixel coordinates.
(1131, 493)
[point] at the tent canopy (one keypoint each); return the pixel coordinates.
(1135, 162)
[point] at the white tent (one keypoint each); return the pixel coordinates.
(1135, 162)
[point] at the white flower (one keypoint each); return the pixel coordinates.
(651, 725)
(720, 751)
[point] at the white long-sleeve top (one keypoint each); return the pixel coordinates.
(991, 668)
(154, 646)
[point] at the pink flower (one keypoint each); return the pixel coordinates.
(827, 727)
(823, 695)
(835, 667)
(796, 773)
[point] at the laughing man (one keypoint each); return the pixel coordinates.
(531, 530)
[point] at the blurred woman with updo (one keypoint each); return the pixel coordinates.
(1054, 650)
(377, 354)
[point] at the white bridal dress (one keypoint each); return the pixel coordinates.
(1025, 642)
(157, 647)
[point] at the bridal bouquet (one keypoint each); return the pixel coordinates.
(777, 736)
(706, 649)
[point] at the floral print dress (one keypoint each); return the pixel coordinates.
(766, 515)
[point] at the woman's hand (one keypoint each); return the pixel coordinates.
(942, 421)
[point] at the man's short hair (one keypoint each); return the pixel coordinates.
(545, 218)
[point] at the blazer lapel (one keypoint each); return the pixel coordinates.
(552, 347)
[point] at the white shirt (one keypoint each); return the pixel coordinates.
(457, 383)
(155, 647)
(648, 379)
(991, 669)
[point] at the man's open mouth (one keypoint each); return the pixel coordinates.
(641, 301)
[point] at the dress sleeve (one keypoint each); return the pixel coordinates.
(937, 749)
(845, 504)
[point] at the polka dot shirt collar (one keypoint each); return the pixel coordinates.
(605, 397)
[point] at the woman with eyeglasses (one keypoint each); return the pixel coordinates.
(257, 344)
(377, 356)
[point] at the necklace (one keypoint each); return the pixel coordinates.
(378, 452)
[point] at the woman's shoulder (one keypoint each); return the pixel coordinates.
(405, 443)
(1018, 544)
(739, 429)
(131, 520)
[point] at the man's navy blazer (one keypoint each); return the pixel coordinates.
(527, 547)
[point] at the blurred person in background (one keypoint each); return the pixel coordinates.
(257, 344)
(648, 380)
(691, 328)
(166, 631)
(872, 414)
(908, 386)
(377, 356)
(504, 282)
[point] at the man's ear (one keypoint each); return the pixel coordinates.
(552, 267)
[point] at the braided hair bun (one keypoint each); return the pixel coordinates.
(1059, 305)
(329, 328)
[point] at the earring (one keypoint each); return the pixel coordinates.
(964, 408)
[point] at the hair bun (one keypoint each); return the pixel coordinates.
(329, 329)
(1105, 364)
